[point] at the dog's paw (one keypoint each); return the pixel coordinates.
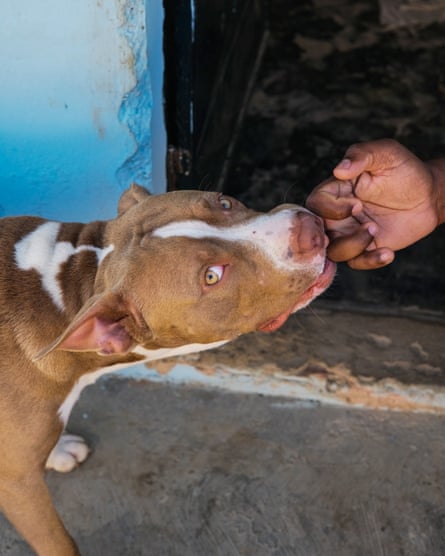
(68, 453)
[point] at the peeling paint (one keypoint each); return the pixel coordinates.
(313, 388)
(342, 359)
(136, 107)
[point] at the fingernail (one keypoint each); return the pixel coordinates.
(372, 229)
(384, 257)
(345, 164)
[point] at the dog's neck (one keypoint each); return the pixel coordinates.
(61, 260)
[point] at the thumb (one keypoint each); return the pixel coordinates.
(372, 157)
(355, 162)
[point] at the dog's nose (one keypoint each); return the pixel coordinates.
(307, 235)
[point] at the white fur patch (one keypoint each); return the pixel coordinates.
(269, 233)
(73, 396)
(41, 251)
(149, 355)
(153, 354)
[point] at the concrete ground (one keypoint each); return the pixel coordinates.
(183, 471)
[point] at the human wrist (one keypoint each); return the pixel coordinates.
(437, 168)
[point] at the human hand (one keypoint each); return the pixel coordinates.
(382, 198)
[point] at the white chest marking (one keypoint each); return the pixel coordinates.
(269, 233)
(41, 251)
(149, 354)
(153, 354)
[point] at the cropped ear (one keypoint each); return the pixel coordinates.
(103, 325)
(132, 196)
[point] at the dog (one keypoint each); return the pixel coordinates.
(171, 274)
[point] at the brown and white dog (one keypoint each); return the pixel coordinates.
(174, 273)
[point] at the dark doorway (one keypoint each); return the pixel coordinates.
(212, 50)
(333, 73)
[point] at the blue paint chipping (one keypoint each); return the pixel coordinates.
(136, 108)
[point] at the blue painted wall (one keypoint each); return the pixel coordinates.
(80, 83)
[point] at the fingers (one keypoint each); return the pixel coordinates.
(371, 260)
(355, 163)
(351, 250)
(334, 200)
(357, 250)
(348, 247)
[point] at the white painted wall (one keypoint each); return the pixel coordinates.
(76, 105)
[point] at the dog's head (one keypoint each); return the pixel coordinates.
(192, 267)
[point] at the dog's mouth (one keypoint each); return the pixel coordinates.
(318, 287)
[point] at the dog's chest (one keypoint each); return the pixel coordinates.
(149, 355)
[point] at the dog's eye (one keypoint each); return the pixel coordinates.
(213, 275)
(225, 203)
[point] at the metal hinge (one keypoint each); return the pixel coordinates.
(179, 163)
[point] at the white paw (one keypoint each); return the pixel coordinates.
(66, 455)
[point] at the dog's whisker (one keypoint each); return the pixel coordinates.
(206, 184)
(314, 313)
(287, 190)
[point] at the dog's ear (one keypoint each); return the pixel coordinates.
(106, 324)
(132, 196)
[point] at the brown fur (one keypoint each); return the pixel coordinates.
(147, 292)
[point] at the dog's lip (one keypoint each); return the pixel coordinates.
(321, 283)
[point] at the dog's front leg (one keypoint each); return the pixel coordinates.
(27, 504)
